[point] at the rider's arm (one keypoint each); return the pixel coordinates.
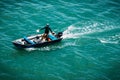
(50, 30)
(42, 28)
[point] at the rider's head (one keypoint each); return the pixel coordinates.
(47, 25)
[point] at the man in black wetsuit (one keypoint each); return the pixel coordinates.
(47, 29)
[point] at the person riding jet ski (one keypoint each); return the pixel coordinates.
(47, 30)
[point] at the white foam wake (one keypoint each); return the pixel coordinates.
(41, 49)
(108, 41)
(76, 31)
(69, 32)
(111, 39)
(49, 48)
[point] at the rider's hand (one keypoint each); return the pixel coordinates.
(37, 30)
(53, 33)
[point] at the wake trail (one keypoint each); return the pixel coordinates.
(114, 39)
(77, 31)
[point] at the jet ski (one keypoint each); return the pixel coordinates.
(37, 40)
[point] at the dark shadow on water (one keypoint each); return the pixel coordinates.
(6, 73)
(114, 72)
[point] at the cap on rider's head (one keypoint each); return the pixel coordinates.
(47, 24)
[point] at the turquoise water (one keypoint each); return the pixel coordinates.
(90, 49)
